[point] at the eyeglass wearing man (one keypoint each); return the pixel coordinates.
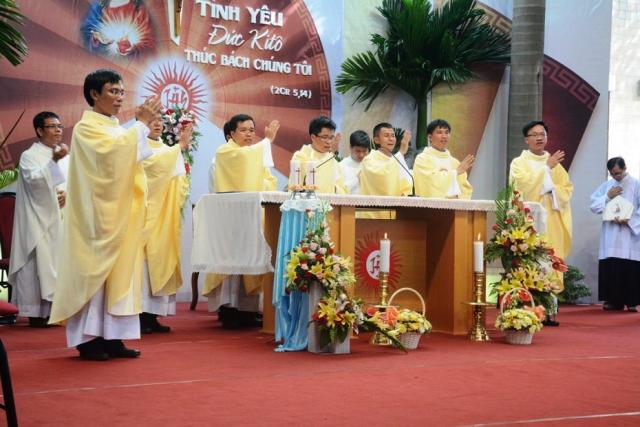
(536, 140)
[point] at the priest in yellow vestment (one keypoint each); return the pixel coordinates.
(437, 173)
(167, 186)
(329, 178)
(241, 164)
(540, 177)
(96, 292)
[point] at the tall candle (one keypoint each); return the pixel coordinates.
(310, 180)
(295, 173)
(478, 256)
(385, 254)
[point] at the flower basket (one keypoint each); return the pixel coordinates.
(410, 340)
(517, 336)
(315, 295)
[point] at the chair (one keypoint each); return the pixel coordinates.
(7, 210)
(9, 404)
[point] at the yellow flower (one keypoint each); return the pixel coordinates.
(316, 269)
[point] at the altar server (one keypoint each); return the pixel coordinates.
(97, 294)
(240, 164)
(37, 220)
(359, 147)
(329, 178)
(437, 173)
(167, 187)
(619, 254)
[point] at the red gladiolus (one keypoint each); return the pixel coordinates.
(169, 111)
(495, 227)
(508, 221)
(527, 210)
(319, 258)
(187, 168)
(371, 311)
(304, 250)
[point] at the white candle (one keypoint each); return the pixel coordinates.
(311, 175)
(295, 173)
(478, 256)
(385, 254)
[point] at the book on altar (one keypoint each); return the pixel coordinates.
(618, 207)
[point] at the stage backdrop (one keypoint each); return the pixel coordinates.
(271, 59)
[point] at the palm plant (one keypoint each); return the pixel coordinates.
(424, 47)
(12, 44)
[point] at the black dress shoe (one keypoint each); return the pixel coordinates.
(39, 322)
(612, 307)
(116, 348)
(550, 322)
(149, 324)
(93, 350)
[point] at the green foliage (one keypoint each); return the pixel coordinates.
(8, 176)
(423, 47)
(573, 290)
(12, 44)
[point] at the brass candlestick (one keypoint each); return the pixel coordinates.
(478, 332)
(378, 338)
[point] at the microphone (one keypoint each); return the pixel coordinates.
(413, 181)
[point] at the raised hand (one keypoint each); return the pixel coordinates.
(555, 158)
(60, 151)
(404, 142)
(149, 110)
(335, 145)
(466, 163)
(185, 137)
(271, 130)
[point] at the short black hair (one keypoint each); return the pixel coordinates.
(226, 129)
(616, 161)
(96, 81)
(383, 125)
(438, 123)
(528, 126)
(38, 120)
(360, 138)
(317, 124)
(233, 121)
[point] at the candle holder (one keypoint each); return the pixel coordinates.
(478, 331)
(378, 338)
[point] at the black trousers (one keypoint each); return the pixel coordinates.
(619, 281)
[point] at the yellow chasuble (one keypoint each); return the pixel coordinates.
(527, 173)
(101, 242)
(240, 168)
(329, 177)
(163, 225)
(436, 176)
(381, 175)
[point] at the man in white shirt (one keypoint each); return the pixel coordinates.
(619, 254)
(37, 220)
(360, 145)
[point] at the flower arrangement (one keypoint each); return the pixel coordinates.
(400, 321)
(518, 316)
(314, 259)
(174, 121)
(528, 260)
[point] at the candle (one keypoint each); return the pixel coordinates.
(385, 254)
(478, 255)
(310, 180)
(295, 173)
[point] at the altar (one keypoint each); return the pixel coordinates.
(432, 248)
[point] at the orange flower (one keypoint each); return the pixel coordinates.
(538, 310)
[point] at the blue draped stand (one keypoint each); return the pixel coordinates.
(292, 309)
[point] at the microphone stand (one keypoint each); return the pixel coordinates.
(413, 181)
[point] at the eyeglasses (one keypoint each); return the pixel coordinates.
(246, 130)
(116, 92)
(326, 137)
(535, 135)
(53, 127)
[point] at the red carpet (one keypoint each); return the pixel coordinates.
(584, 373)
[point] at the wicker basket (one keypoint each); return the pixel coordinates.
(518, 337)
(409, 340)
(513, 336)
